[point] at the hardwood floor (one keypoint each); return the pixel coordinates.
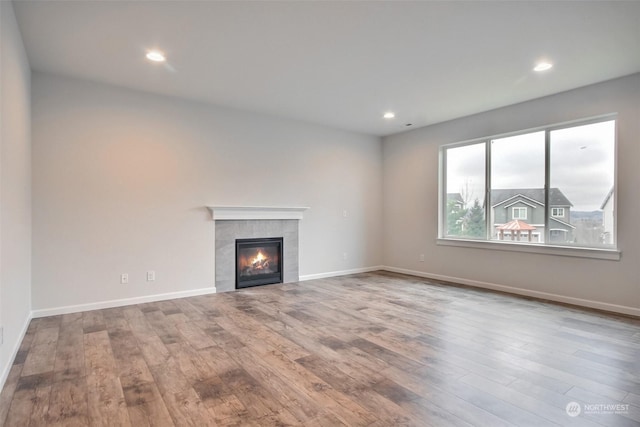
(375, 349)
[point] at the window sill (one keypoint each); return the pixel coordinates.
(607, 254)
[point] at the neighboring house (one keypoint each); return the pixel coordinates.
(607, 218)
(526, 206)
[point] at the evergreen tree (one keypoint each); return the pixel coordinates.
(455, 215)
(473, 222)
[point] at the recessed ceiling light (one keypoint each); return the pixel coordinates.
(543, 66)
(156, 56)
(389, 115)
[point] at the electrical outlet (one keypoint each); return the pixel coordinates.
(151, 276)
(345, 213)
(344, 255)
(124, 278)
(421, 257)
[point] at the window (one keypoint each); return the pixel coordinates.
(519, 213)
(465, 214)
(582, 164)
(551, 186)
(517, 180)
(558, 235)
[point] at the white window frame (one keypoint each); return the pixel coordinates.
(519, 209)
(612, 253)
(556, 215)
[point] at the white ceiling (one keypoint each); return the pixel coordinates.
(341, 64)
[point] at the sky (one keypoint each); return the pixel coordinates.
(582, 164)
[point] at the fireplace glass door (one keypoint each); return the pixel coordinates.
(258, 262)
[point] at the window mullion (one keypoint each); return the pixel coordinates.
(487, 191)
(443, 194)
(547, 184)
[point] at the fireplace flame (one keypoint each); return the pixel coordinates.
(260, 262)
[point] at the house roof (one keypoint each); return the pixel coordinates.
(606, 199)
(516, 200)
(517, 225)
(566, 224)
(556, 197)
(457, 197)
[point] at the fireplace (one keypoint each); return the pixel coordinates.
(258, 262)
(254, 222)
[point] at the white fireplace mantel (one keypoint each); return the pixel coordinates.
(255, 212)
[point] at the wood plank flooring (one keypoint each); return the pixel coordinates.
(375, 349)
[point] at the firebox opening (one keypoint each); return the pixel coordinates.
(258, 262)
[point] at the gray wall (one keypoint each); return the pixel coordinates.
(410, 163)
(15, 188)
(121, 180)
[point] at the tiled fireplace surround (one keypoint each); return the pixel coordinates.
(233, 223)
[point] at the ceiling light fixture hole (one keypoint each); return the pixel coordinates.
(155, 56)
(543, 66)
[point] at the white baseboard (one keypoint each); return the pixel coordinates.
(340, 273)
(623, 309)
(120, 302)
(172, 295)
(7, 368)
(633, 311)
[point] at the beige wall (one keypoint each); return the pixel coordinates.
(410, 192)
(121, 180)
(15, 188)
